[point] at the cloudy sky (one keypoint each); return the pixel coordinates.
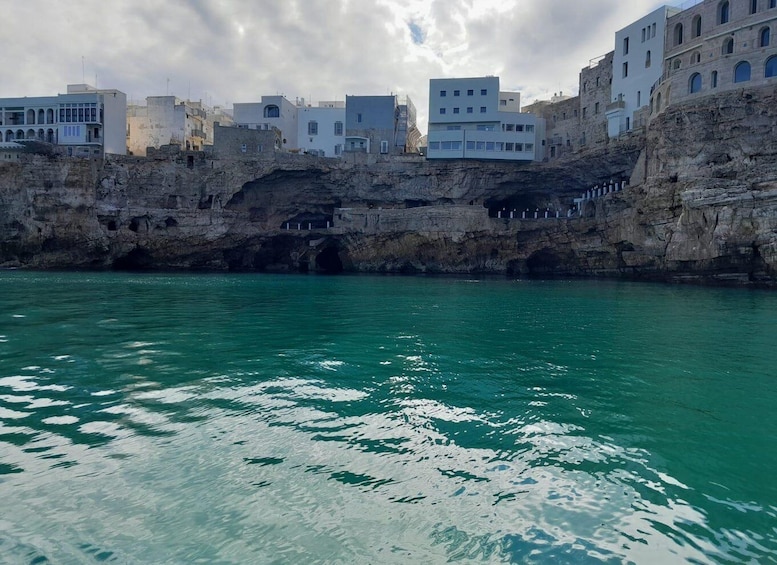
(226, 51)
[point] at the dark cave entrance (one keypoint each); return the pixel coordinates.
(328, 261)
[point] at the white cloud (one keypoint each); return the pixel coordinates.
(225, 51)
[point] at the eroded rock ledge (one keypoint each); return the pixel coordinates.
(702, 206)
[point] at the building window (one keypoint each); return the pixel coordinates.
(384, 147)
(453, 128)
(243, 148)
(625, 45)
(676, 64)
(518, 127)
(742, 72)
(272, 111)
(723, 12)
(596, 108)
(483, 91)
(647, 59)
(695, 58)
(678, 34)
(597, 82)
(639, 98)
(470, 92)
(770, 69)
(455, 110)
(644, 29)
(694, 84)
(434, 145)
(530, 128)
(509, 127)
(456, 92)
(358, 118)
(313, 128)
(509, 146)
(503, 102)
(481, 145)
(773, 3)
(442, 111)
(469, 110)
(338, 128)
(728, 46)
(765, 37)
(482, 109)
(653, 34)
(714, 79)
(585, 110)
(443, 94)
(625, 69)
(753, 6)
(696, 26)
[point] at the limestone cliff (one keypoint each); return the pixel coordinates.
(702, 206)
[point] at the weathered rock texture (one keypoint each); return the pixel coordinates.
(702, 206)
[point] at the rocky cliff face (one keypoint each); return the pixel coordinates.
(702, 206)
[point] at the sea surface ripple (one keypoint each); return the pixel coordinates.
(291, 419)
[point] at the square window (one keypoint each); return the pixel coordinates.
(509, 146)
(470, 92)
(469, 110)
(443, 94)
(455, 110)
(442, 110)
(483, 91)
(471, 145)
(456, 92)
(482, 109)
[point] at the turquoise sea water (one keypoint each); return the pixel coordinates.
(304, 419)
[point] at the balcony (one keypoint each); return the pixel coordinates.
(198, 133)
(617, 105)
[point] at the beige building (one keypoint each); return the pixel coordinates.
(167, 120)
(717, 45)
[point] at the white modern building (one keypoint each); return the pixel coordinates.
(86, 121)
(271, 112)
(321, 129)
(470, 118)
(637, 65)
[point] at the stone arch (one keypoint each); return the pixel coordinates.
(764, 37)
(742, 72)
(694, 83)
(50, 116)
(8, 135)
(678, 34)
(19, 134)
(724, 12)
(770, 68)
(30, 117)
(41, 116)
(696, 26)
(41, 135)
(30, 134)
(50, 135)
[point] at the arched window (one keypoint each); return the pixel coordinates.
(695, 58)
(728, 46)
(272, 111)
(678, 34)
(30, 134)
(41, 116)
(753, 6)
(30, 117)
(9, 135)
(49, 116)
(647, 59)
(694, 84)
(714, 79)
(19, 134)
(723, 12)
(765, 37)
(696, 26)
(658, 102)
(742, 72)
(50, 135)
(676, 64)
(770, 69)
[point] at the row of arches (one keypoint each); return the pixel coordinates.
(48, 135)
(722, 16)
(742, 73)
(39, 116)
(727, 48)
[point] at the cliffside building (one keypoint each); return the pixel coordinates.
(637, 65)
(85, 122)
(714, 46)
(321, 129)
(272, 112)
(470, 118)
(380, 125)
(167, 120)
